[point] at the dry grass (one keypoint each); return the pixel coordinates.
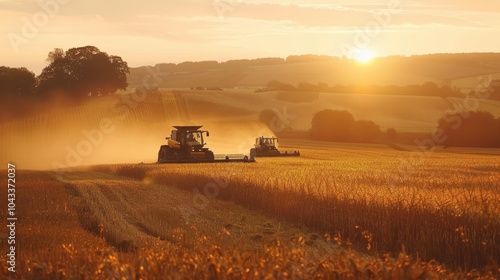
(101, 226)
(54, 245)
(445, 208)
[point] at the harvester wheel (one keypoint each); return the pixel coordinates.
(164, 153)
(209, 155)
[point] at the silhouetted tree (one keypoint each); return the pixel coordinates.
(83, 72)
(237, 64)
(57, 76)
(245, 63)
(267, 61)
(16, 83)
(307, 87)
(57, 53)
(277, 85)
(17, 86)
(322, 87)
(470, 129)
(365, 131)
(332, 125)
(273, 84)
(311, 58)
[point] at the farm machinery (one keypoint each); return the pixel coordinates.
(266, 147)
(186, 144)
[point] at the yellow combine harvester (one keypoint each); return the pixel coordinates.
(266, 147)
(186, 144)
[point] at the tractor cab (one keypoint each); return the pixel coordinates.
(267, 143)
(187, 138)
(187, 144)
(266, 147)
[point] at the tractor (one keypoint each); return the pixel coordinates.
(266, 147)
(187, 144)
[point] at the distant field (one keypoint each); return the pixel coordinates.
(139, 126)
(471, 83)
(459, 70)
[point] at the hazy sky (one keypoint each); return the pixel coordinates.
(151, 31)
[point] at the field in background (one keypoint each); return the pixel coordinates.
(455, 70)
(131, 128)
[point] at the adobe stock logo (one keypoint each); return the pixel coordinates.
(31, 26)
(223, 7)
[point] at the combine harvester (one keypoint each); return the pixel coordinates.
(186, 145)
(266, 147)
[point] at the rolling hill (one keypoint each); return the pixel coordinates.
(131, 128)
(456, 70)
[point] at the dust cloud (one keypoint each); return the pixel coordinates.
(234, 137)
(112, 130)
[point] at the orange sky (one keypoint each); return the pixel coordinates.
(152, 31)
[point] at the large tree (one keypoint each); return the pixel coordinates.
(340, 125)
(470, 129)
(332, 125)
(16, 83)
(17, 86)
(83, 72)
(365, 131)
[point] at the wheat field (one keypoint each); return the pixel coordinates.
(334, 213)
(445, 208)
(337, 212)
(97, 226)
(340, 211)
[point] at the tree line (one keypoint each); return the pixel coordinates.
(194, 66)
(466, 59)
(72, 75)
(340, 126)
(470, 129)
(457, 129)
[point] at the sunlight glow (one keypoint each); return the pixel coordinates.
(363, 55)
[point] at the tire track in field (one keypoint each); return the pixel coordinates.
(217, 219)
(123, 200)
(115, 210)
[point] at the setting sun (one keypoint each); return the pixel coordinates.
(363, 55)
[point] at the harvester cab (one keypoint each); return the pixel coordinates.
(187, 144)
(188, 139)
(266, 147)
(266, 143)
